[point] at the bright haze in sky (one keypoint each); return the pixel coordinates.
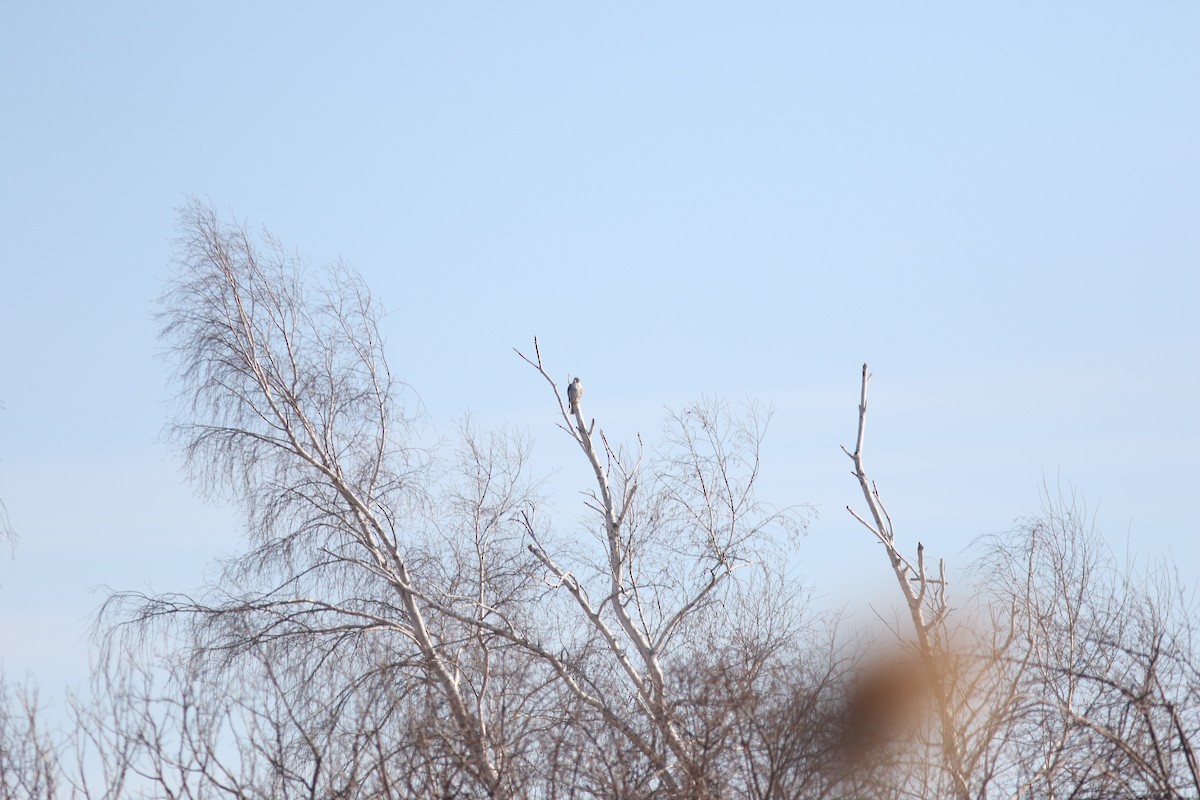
(997, 207)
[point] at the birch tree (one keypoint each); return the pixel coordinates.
(290, 408)
(433, 572)
(1065, 677)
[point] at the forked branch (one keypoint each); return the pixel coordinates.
(928, 612)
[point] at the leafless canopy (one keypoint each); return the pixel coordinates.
(429, 577)
(410, 620)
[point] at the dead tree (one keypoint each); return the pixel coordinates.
(925, 598)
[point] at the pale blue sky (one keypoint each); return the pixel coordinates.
(997, 207)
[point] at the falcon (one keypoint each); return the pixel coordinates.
(574, 395)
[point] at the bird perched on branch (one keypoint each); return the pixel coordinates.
(574, 395)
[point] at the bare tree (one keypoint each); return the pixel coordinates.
(411, 621)
(925, 598)
(437, 573)
(1069, 677)
(672, 531)
(29, 759)
(291, 410)
(1104, 661)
